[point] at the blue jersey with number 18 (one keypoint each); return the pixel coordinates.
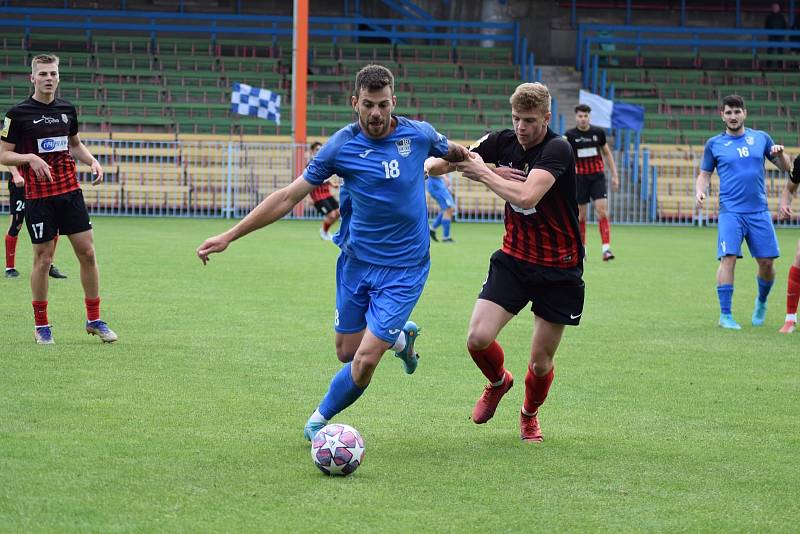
(382, 200)
(739, 161)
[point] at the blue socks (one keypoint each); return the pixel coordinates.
(438, 221)
(342, 393)
(763, 288)
(446, 228)
(725, 294)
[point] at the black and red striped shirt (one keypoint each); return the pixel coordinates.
(588, 149)
(34, 127)
(321, 192)
(547, 235)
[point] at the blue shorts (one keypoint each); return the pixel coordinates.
(755, 228)
(376, 296)
(442, 196)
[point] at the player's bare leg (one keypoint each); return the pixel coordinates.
(546, 338)
(347, 345)
(83, 245)
(349, 383)
(42, 258)
(488, 319)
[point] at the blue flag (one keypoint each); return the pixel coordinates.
(256, 102)
(613, 113)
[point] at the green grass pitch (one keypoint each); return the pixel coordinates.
(657, 420)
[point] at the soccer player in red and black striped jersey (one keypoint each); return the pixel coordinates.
(40, 138)
(541, 258)
(323, 201)
(589, 144)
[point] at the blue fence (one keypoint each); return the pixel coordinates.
(267, 28)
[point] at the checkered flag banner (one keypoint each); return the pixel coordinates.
(247, 100)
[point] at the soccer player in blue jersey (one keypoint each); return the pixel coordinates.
(439, 189)
(383, 236)
(738, 155)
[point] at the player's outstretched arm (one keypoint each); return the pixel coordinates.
(700, 188)
(444, 164)
(437, 167)
(272, 208)
(82, 154)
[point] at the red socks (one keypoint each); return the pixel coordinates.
(793, 290)
(490, 361)
(11, 250)
(92, 309)
(325, 226)
(605, 231)
(536, 388)
(40, 312)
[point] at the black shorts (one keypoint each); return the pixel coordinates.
(326, 205)
(16, 195)
(591, 186)
(556, 295)
(60, 214)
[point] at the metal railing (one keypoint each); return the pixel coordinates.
(228, 179)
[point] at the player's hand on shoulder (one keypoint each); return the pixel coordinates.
(510, 173)
(212, 245)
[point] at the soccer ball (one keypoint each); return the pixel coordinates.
(337, 450)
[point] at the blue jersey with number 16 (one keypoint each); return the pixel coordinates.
(382, 200)
(739, 161)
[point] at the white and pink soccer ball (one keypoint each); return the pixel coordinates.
(337, 449)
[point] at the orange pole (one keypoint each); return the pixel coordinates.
(300, 71)
(299, 89)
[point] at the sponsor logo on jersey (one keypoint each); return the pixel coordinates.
(47, 120)
(404, 146)
(365, 153)
(6, 127)
(53, 144)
